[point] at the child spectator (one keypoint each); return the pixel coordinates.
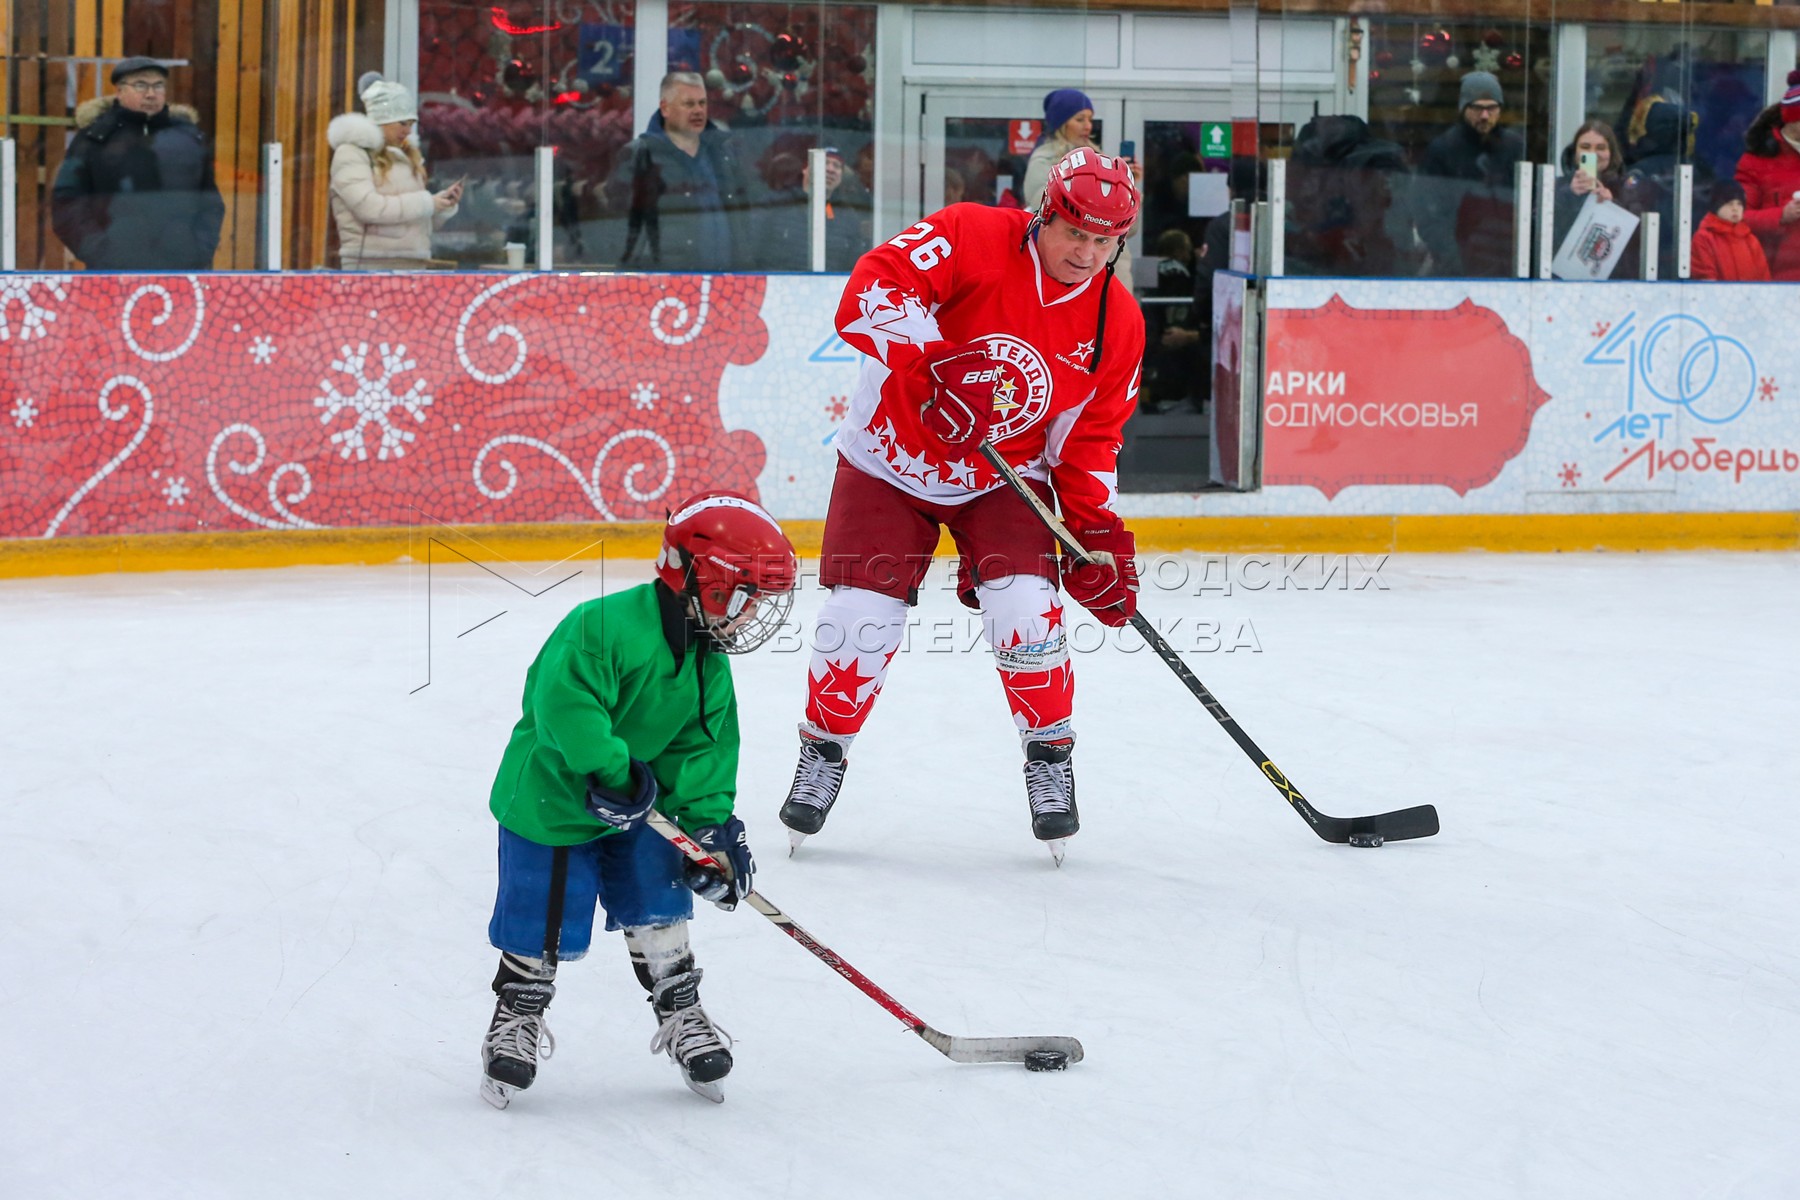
(1725, 248)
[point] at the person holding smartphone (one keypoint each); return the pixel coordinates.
(1592, 165)
(384, 211)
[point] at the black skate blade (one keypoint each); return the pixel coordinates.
(1057, 848)
(796, 839)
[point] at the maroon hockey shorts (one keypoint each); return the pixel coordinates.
(879, 538)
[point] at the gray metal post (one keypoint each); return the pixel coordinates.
(1522, 175)
(1650, 239)
(9, 205)
(815, 203)
(1684, 219)
(268, 254)
(1546, 221)
(1277, 217)
(545, 161)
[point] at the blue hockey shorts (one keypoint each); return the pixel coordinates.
(635, 876)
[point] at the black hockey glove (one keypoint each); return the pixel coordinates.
(627, 808)
(728, 844)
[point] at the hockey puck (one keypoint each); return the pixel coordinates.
(1368, 841)
(1046, 1060)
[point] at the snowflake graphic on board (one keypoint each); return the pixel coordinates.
(372, 401)
(643, 396)
(177, 490)
(34, 318)
(262, 349)
(1570, 474)
(1767, 388)
(24, 412)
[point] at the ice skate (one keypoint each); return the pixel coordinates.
(700, 1048)
(817, 779)
(517, 1038)
(1050, 791)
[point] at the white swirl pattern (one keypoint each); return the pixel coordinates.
(493, 335)
(289, 519)
(162, 318)
(682, 316)
(590, 485)
(112, 464)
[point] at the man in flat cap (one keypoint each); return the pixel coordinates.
(1466, 185)
(136, 190)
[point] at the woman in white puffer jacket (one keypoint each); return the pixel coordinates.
(384, 213)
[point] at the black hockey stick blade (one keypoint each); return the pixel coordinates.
(1398, 826)
(998, 1049)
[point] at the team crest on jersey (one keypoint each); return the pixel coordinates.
(1023, 396)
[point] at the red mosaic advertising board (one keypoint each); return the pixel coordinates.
(159, 404)
(1394, 396)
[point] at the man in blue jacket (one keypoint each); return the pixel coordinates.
(681, 188)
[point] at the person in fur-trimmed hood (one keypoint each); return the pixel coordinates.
(1770, 173)
(385, 214)
(136, 190)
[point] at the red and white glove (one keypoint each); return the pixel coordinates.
(957, 412)
(1107, 588)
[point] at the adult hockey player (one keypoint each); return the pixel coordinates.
(628, 707)
(980, 323)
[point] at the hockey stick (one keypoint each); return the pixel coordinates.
(1397, 826)
(1055, 1052)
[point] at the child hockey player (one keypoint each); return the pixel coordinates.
(629, 707)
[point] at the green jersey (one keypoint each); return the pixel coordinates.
(622, 677)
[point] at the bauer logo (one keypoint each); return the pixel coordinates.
(991, 375)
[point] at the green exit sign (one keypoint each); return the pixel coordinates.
(1215, 139)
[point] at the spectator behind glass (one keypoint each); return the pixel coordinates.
(784, 220)
(955, 189)
(1340, 191)
(1068, 125)
(681, 188)
(1575, 184)
(1463, 200)
(135, 191)
(1770, 173)
(1650, 186)
(1724, 247)
(1175, 356)
(385, 214)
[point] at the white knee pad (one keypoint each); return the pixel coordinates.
(1016, 615)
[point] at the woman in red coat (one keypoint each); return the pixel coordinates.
(1770, 173)
(1724, 246)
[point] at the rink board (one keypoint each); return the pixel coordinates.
(336, 418)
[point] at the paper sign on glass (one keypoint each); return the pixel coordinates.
(1596, 241)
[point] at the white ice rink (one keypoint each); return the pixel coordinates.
(246, 869)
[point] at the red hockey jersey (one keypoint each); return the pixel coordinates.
(961, 275)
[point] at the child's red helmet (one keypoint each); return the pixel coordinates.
(729, 556)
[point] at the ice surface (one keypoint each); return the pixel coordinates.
(245, 874)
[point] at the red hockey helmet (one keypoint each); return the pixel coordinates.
(730, 558)
(1093, 192)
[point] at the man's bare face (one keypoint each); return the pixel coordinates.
(684, 109)
(1071, 254)
(144, 92)
(1482, 116)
